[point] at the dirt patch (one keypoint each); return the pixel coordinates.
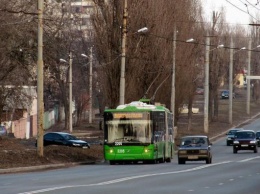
(23, 153)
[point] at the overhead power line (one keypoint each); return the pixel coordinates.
(247, 12)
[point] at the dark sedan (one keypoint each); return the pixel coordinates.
(64, 139)
(225, 94)
(245, 140)
(231, 134)
(194, 148)
(257, 134)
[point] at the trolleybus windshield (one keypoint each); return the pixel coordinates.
(129, 129)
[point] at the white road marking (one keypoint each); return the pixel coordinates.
(248, 159)
(126, 178)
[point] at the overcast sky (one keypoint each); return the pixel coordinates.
(236, 13)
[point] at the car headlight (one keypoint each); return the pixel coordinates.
(228, 138)
(236, 142)
(203, 151)
(253, 141)
(76, 144)
(182, 152)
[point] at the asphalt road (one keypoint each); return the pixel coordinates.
(229, 173)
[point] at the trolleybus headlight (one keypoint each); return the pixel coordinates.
(111, 151)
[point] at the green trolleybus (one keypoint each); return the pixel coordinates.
(138, 132)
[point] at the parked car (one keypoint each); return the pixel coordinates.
(257, 134)
(3, 131)
(64, 139)
(225, 94)
(194, 148)
(230, 135)
(245, 140)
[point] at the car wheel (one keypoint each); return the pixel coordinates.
(255, 150)
(112, 162)
(181, 161)
(168, 160)
(228, 144)
(208, 161)
(234, 150)
(161, 160)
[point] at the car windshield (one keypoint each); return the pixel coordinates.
(245, 135)
(194, 141)
(232, 132)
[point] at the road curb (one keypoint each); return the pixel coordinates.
(224, 133)
(31, 168)
(43, 167)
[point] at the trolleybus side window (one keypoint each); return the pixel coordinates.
(158, 126)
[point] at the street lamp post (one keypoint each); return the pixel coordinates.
(173, 80)
(230, 83)
(248, 81)
(90, 82)
(230, 109)
(70, 90)
(122, 77)
(40, 107)
(248, 74)
(206, 85)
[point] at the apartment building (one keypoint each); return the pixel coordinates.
(82, 10)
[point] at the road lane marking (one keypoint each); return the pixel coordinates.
(126, 178)
(248, 159)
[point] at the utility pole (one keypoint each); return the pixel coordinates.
(70, 92)
(206, 87)
(40, 107)
(122, 78)
(90, 85)
(173, 79)
(248, 80)
(231, 82)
